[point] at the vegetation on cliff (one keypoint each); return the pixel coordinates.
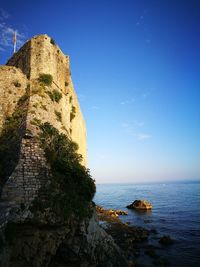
(54, 95)
(45, 79)
(71, 187)
(72, 113)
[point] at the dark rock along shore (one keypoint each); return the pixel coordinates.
(134, 240)
(45, 241)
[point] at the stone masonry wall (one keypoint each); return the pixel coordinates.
(30, 174)
(22, 59)
(10, 91)
(51, 60)
(38, 56)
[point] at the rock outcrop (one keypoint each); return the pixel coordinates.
(45, 240)
(41, 176)
(140, 205)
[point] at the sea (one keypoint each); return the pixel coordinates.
(176, 212)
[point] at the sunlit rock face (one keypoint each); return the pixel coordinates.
(140, 205)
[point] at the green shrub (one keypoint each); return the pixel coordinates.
(55, 95)
(71, 187)
(45, 79)
(52, 41)
(70, 99)
(36, 122)
(72, 116)
(73, 109)
(72, 113)
(58, 115)
(66, 83)
(38, 91)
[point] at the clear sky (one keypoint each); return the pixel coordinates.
(136, 69)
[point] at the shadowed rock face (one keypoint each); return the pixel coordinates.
(45, 240)
(140, 205)
(35, 238)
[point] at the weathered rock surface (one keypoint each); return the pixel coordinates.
(109, 214)
(140, 205)
(126, 236)
(44, 240)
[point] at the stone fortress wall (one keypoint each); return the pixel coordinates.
(40, 55)
(9, 93)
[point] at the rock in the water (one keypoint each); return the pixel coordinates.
(109, 215)
(166, 240)
(140, 205)
(121, 212)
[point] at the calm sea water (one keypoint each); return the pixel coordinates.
(176, 212)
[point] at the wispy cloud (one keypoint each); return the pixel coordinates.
(145, 94)
(132, 125)
(142, 24)
(7, 32)
(3, 14)
(138, 123)
(94, 108)
(126, 102)
(139, 20)
(140, 93)
(142, 136)
(132, 128)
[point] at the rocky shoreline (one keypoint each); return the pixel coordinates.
(133, 240)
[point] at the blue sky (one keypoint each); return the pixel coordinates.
(136, 69)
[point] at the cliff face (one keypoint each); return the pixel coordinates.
(36, 93)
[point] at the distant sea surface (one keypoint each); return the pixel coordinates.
(176, 212)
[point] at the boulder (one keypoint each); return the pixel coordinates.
(140, 205)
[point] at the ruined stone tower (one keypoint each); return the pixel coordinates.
(21, 90)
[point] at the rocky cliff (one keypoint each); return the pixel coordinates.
(47, 217)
